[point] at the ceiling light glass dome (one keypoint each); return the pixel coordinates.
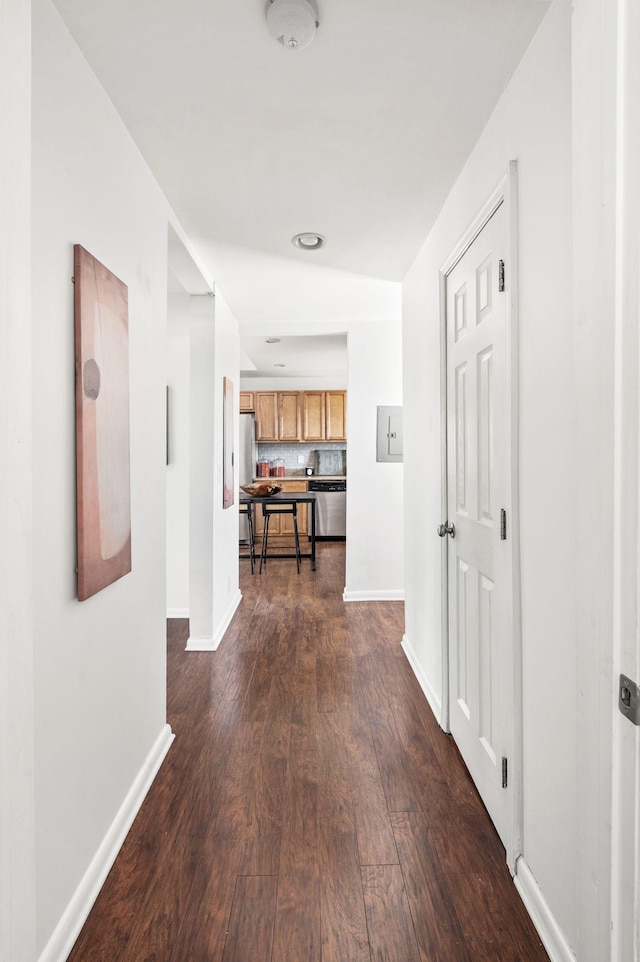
(293, 23)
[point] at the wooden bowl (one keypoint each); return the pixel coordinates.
(261, 490)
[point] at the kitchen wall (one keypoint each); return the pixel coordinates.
(99, 665)
(532, 124)
(296, 457)
(293, 383)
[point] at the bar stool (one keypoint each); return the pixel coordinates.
(267, 511)
(248, 510)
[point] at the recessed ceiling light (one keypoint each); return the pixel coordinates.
(308, 241)
(279, 365)
(273, 340)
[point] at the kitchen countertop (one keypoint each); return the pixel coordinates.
(305, 477)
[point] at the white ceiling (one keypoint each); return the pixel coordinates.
(314, 355)
(358, 137)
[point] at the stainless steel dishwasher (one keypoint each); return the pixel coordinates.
(331, 509)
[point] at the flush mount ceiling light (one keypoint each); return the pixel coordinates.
(293, 23)
(279, 365)
(273, 340)
(308, 241)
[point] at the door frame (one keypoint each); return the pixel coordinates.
(506, 193)
(625, 798)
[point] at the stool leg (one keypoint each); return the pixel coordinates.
(265, 534)
(295, 535)
(252, 549)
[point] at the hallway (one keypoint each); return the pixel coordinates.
(310, 809)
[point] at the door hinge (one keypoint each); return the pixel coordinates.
(503, 524)
(504, 772)
(501, 276)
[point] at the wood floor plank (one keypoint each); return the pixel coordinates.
(373, 827)
(269, 785)
(391, 934)
(490, 929)
(395, 770)
(440, 791)
(297, 933)
(343, 917)
(240, 675)
(251, 925)
(468, 840)
(259, 688)
(237, 796)
(304, 710)
(203, 933)
(333, 676)
(436, 924)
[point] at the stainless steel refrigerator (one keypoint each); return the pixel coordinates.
(246, 463)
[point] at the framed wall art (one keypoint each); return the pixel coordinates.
(102, 425)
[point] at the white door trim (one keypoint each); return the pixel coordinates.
(625, 807)
(505, 193)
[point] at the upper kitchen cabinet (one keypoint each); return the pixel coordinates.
(324, 416)
(301, 415)
(266, 416)
(336, 415)
(247, 402)
(277, 415)
(313, 415)
(289, 416)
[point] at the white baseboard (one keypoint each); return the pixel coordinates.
(177, 612)
(430, 693)
(391, 594)
(75, 915)
(542, 917)
(211, 644)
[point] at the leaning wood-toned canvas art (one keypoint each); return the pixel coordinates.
(102, 425)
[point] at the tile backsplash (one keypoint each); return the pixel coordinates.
(289, 454)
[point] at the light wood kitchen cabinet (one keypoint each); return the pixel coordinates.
(336, 415)
(289, 416)
(281, 525)
(247, 402)
(324, 416)
(266, 415)
(301, 416)
(313, 416)
(277, 415)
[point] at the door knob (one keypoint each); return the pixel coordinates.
(448, 528)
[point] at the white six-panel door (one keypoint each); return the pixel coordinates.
(478, 469)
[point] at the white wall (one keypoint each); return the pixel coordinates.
(532, 124)
(226, 592)
(178, 468)
(202, 398)
(594, 268)
(99, 665)
(375, 502)
(17, 874)
(221, 593)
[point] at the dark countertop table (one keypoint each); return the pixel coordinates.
(289, 497)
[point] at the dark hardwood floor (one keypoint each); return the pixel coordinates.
(310, 809)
